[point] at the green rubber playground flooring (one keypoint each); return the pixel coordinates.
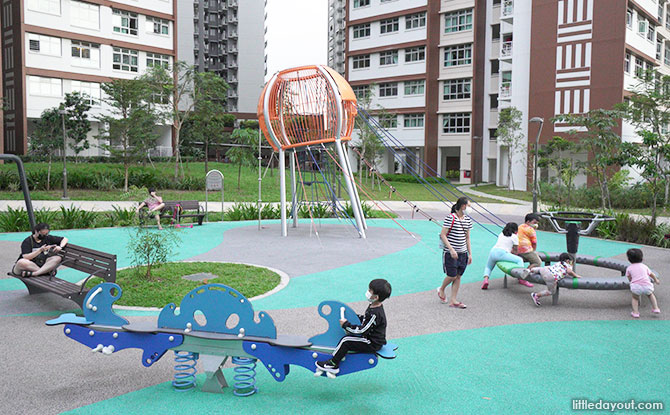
(412, 270)
(535, 368)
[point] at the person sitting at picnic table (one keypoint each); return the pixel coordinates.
(154, 203)
(39, 253)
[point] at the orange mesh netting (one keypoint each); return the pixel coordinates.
(302, 108)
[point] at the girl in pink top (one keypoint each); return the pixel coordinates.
(640, 277)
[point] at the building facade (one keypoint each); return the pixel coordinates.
(53, 47)
(227, 37)
(336, 34)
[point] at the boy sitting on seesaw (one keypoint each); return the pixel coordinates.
(370, 335)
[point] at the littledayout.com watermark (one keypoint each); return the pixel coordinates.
(613, 406)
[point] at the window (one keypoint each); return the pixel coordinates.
(156, 59)
(124, 22)
(90, 90)
(388, 58)
(83, 50)
(48, 87)
(361, 61)
(45, 6)
(659, 47)
(7, 15)
(629, 18)
(361, 3)
(413, 120)
(85, 15)
(362, 91)
(415, 54)
(361, 30)
(495, 32)
(667, 19)
(414, 21)
(45, 45)
(389, 89)
(456, 123)
(639, 67)
(651, 33)
(415, 87)
(495, 66)
(626, 63)
(458, 55)
(666, 58)
(457, 89)
(661, 6)
(641, 25)
(494, 101)
(388, 120)
(125, 60)
(158, 26)
(389, 25)
(458, 21)
(493, 134)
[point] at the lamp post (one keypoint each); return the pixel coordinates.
(537, 149)
(62, 113)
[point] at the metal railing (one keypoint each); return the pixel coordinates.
(506, 49)
(505, 89)
(507, 8)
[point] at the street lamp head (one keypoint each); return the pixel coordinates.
(537, 119)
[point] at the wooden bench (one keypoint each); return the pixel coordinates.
(95, 263)
(189, 209)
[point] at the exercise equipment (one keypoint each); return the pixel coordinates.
(214, 322)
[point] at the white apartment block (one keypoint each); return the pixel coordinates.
(53, 47)
(336, 34)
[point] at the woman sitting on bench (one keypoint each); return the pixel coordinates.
(154, 203)
(38, 253)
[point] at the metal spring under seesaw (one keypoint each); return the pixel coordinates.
(184, 377)
(245, 376)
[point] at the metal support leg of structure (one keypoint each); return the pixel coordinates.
(282, 192)
(358, 199)
(215, 382)
(294, 195)
(355, 204)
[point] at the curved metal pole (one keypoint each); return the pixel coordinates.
(24, 186)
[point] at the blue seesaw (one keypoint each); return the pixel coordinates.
(214, 322)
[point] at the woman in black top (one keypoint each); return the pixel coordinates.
(38, 253)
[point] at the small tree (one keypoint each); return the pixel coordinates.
(47, 137)
(648, 109)
(206, 127)
(242, 152)
(558, 155)
(189, 90)
(152, 248)
(510, 136)
(596, 134)
(77, 125)
(369, 144)
(128, 131)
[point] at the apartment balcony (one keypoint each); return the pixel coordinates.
(505, 93)
(232, 19)
(231, 79)
(506, 50)
(232, 3)
(232, 49)
(232, 65)
(232, 93)
(507, 10)
(232, 34)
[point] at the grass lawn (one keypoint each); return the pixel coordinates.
(494, 190)
(248, 191)
(167, 285)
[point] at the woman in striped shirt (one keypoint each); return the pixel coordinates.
(457, 254)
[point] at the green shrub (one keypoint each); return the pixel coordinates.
(151, 248)
(122, 217)
(75, 218)
(14, 220)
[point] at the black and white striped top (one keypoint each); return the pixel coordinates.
(456, 236)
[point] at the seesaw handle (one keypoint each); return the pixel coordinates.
(342, 313)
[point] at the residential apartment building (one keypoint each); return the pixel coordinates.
(415, 59)
(53, 47)
(336, 34)
(553, 57)
(226, 37)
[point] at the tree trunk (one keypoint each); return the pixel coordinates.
(653, 206)
(148, 274)
(667, 190)
(239, 174)
(125, 176)
(510, 183)
(176, 154)
(49, 174)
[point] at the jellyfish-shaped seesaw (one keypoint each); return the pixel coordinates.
(307, 106)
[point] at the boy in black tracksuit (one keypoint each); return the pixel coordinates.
(370, 335)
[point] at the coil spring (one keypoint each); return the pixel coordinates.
(245, 376)
(184, 377)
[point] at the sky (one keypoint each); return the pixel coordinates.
(297, 33)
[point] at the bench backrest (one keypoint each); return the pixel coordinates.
(87, 260)
(189, 204)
